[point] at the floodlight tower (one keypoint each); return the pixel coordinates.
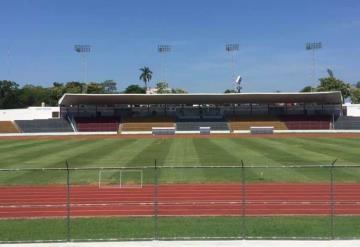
(313, 46)
(83, 50)
(163, 50)
(231, 49)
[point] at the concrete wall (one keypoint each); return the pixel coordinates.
(353, 110)
(28, 113)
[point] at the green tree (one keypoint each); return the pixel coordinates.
(355, 96)
(31, 95)
(75, 87)
(357, 85)
(178, 91)
(95, 88)
(230, 91)
(333, 84)
(162, 88)
(146, 75)
(135, 89)
(9, 92)
(56, 92)
(308, 89)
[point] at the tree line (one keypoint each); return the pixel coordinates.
(12, 95)
(331, 83)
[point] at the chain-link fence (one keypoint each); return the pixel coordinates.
(179, 202)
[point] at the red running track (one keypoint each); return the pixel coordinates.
(180, 200)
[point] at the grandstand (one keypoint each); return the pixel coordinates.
(302, 122)
(347, 123)
(7, 127)
(145, 123)
(188, 112)
(223, 113)
(44, 125)
(244, 123)
(89, 124)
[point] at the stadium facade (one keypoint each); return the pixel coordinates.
(224, 113)
(201, 105)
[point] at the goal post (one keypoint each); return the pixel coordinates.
(121, 178)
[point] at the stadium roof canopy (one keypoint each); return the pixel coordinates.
(241, 98)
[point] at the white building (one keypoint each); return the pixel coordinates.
(30, 113)
(352, 110)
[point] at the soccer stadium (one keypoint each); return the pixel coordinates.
(179, 123)
(185, 166)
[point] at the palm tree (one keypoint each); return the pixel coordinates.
(145, 76)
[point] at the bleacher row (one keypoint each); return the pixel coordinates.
(44, 125)
(181, 124)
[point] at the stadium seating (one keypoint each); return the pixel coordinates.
(7, 127)
(145, 123)
(44, 125)
(194, 125)
(97, 124)
(347, 123)
(302, 122)
(193, 113)
(244, 123)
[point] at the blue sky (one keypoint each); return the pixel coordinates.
(37, 39)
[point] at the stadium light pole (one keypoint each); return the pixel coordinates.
(163, 50)
(83, 50)
(313, 46)
(8, 63)
(231, 49)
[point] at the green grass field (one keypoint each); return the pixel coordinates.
(215, 151)
(180, 152)
(178, 227)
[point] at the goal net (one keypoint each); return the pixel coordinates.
(120, 178)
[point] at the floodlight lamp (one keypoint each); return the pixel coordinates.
(313, 46)
(82, 48)
(164, 48)
(232, 47)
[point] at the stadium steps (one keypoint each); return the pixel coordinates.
(244, 123)
(100, 124)
(307, 122)
(8, 127)
(347, 123)
(146, 123)
(44, 125)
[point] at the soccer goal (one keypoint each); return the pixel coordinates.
(120, 178)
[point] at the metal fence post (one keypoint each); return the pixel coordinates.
(243, 201)
(68, 202)
(155, 201)
(332, 200)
